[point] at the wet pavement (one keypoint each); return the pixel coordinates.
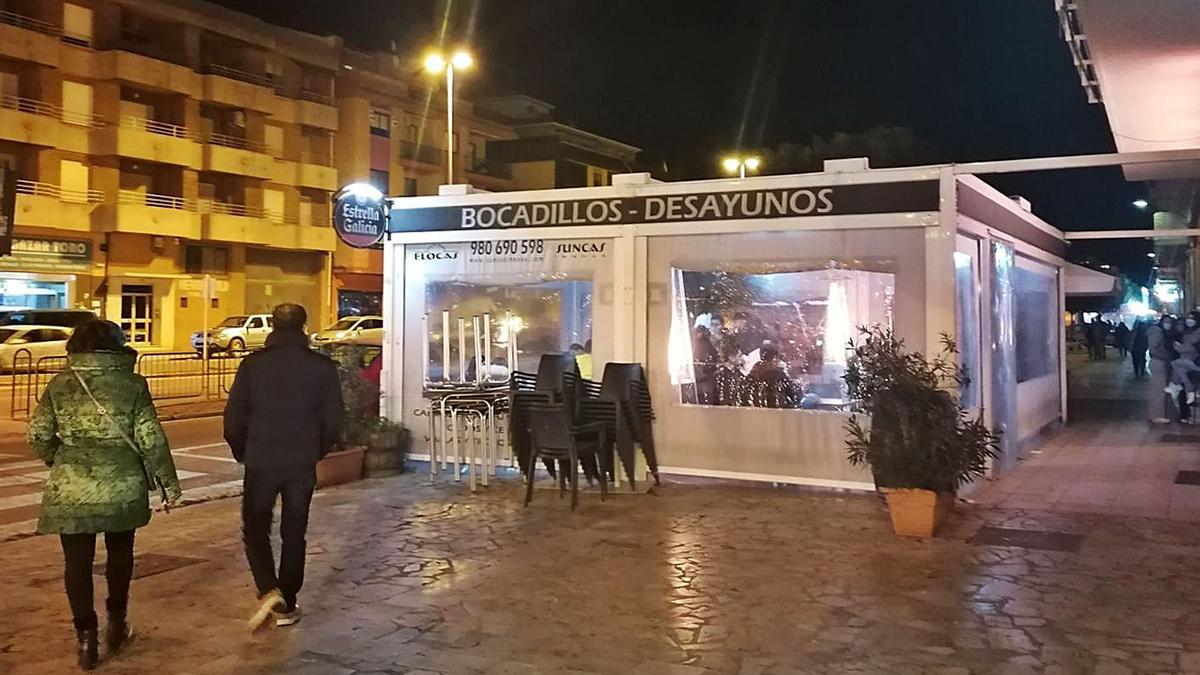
(408, 578)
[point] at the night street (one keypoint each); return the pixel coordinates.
(407, 578)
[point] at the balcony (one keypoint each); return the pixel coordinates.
(313, 171)
(421, 154)
(147, 71)
(150, 140)
(235, 223)
(237, 156)
(489, 168)
(26, 120)
(25, 38)
(154, 214)
(316, 110)
(48, 205)
(238, 88)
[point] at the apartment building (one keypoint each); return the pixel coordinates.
(162, 142)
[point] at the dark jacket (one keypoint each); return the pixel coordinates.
(285, 407)
(98, 483)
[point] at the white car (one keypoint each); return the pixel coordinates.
(39, 341)
(353, 329)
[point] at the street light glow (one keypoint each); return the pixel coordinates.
(462, 60)
(752, 163)
(434, 63)
(731, 164)
(1140, 203)
(1151, 255)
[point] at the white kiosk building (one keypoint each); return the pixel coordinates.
(772, 272)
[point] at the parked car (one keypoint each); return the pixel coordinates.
(40, 341)
(235, 334)
(353, 330)
(65, 318)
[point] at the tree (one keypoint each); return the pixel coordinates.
(883, 146)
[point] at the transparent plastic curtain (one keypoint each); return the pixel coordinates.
(679, 348)
(1004, 374)
(838, 324)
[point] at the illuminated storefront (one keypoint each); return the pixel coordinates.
(739, 297)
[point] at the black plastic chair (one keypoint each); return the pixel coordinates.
(557, 380)
(555, 436)
(622, 404)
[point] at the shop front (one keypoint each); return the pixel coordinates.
(46, 273)
(738, 297)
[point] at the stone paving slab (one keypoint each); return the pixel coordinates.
(408, 578)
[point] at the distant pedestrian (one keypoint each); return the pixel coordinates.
(97, 430)
(1138, 344)
(1123, 337)
(1184, 368)
(284, 414)
(1159, 339)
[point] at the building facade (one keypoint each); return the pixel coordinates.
(162, 142)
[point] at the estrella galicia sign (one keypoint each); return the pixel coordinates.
(360, 215)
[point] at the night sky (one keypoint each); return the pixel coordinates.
(689, 79)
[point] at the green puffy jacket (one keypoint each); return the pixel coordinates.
(97, 482)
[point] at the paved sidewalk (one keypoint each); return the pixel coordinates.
(408, 578)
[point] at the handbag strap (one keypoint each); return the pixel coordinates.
(115, 426)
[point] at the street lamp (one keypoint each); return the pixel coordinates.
(435, 63)
(1140, 203)
(740, 165)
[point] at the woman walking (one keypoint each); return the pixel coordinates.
(97, 430)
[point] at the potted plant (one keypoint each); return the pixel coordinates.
(387, 443)
(919, 442)
(359, 411)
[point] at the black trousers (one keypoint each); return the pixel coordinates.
(258, 502)
(79, 554)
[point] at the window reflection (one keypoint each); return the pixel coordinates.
(773, 338)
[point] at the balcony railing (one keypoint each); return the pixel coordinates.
(241, 75)
(135, 198)
(227, 209)
(283, 218)
(489, 167)
(29, 187)
(236, 142)
(323, 99)
(320, 159)
(30, 23)
(35, 107)
(426, 154)
(156, 127)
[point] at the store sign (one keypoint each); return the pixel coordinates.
(835, 200)
(360, 215)
(48, 255)
(8, 208)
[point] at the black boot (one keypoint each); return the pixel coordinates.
(89, 648)
(119, 633)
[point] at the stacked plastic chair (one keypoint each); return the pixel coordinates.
(621, 402)
(557, 380)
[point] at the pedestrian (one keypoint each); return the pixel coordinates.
(97, 430)
(284, 414)
(1159, 340)
(1184, 367)
(1093, 339)
(1123, 337)
(1138, 344)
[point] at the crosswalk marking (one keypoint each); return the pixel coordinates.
(215, 458)
(20, 466)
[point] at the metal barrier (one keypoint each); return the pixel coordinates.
(173, 374)
(21, 386)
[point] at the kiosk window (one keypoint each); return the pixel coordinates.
(774, 339)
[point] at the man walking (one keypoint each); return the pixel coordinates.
(284, 414)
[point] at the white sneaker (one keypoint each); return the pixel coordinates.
(285, 618)
(271, 601)
(1173, 389)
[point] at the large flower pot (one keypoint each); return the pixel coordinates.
(340, 467)
(917, 513)
(385, 453)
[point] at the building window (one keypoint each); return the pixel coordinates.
(77, 24)
(410, 187)
(137, 313)
(381, 124)
(205, 260)
(380, 180)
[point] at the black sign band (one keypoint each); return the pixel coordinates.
(838, 200)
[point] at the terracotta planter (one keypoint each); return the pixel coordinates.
(917, 513)
(340, 467)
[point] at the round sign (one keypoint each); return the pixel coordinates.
(360, 215)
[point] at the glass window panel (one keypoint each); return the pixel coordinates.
(1036, 330)
(774, 338)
